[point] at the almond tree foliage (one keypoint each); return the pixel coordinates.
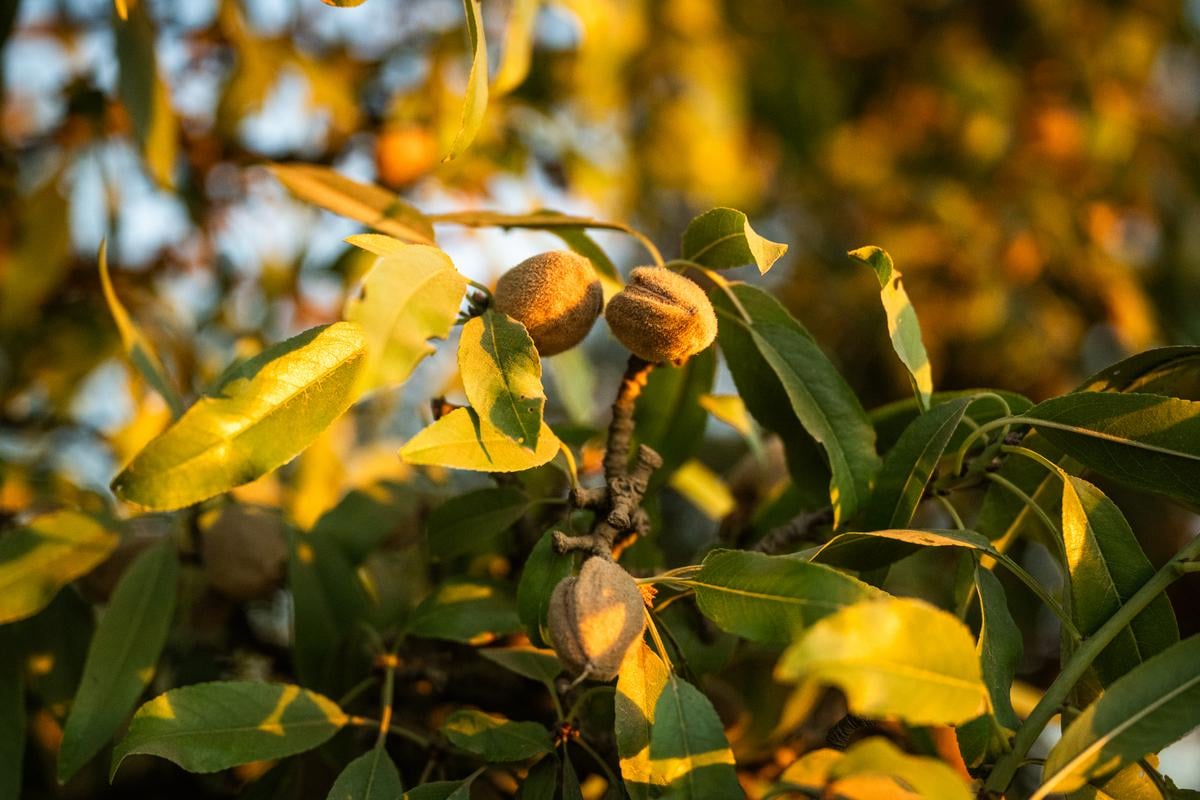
(288, 595)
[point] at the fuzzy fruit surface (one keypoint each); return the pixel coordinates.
(555, 295)
(595, 618)
(662, 316)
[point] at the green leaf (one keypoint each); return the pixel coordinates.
(410, 295)
(541, 782)
(893, 657)
(371, 205)
(1145, 710)
(770, 598)
(464, 440)
(528, 662)
(442, 790)
(213, 726)
(1107, 566)
(470, 611)
(146, 96)
(909, 465)
(1003, 515)
(123, 655)
(469, 521)
(1000, 645)
(903, 326)
(670, 741)
(892, 419)
(495, 738)
(502, 376)
(668, 415)
(476, 100)
(818, 396)
(1146, 441)
(688, 750)
(722, 238)
(1172, 371)
(138, 349)
(371, 776)
(329, 602)
(260, 416)
(41, 557)
(518, 46)
(544, 568)
(12, 712)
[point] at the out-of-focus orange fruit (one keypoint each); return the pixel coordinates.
(404, 153)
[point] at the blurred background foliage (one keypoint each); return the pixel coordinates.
(1033, 167)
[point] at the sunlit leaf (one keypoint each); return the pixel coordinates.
(37, 258)
(469, 521)
(145, 95)
(1131, 783)
(476, 100)
(873, 549)
(670, 741)
(722, 237)
(213, 726)
(463, 440)
(343, 3)
(495, 738)
(543, 569)
(371, 776)
(817, 394)
(1171, 371)
(502, 376)
(903, 326)
(892, 419)
(529, 662)
(410, 295)
(770, 598)
(1147, 441)
(471, 611)
(893, 657)
(703, 488)
(371, 205)
(518, 46)
(138, 349)
(256, 419)
(840, 775)
(1142, 712)
(41, 557)
(123, 655)
(1106, 567)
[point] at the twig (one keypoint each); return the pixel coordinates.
(784, 538)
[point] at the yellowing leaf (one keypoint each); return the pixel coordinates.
(703, 488)
(146, 96)
(502, 376)
(258, 418)
(371, 205)
(476, 100)
(722, 238)
(140, 352)
(518, 46)
(893, 657)
(463, 440)
(409, 296)
(38, 559)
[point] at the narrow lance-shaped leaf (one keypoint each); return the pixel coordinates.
(1146, 441)
(1172, 371)
(464, 440)
(502, 376)
(722, 238)
(137, 348)
(518, 46)
(770, 598)
(1145, 710)
(543, 569)
(476, 100)
(818, 396)
(495, 738)
(470, 611)
(893, 657)
(1106, 567)
(145, 95)
(903, 326)
(123, 655)
(371, 776)
(213, 726)
(469, 521)
(874, 549)
(854, 774)
(371, 205)
(258, 418)
(41, 557)
(410, 295)
(688, 750)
